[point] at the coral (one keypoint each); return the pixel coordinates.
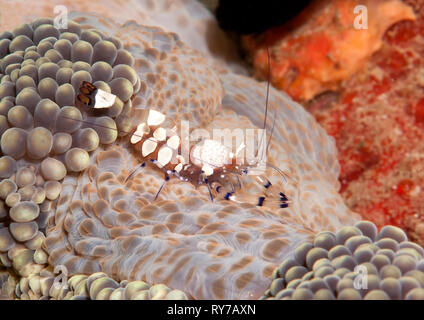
(356, 262)
(376, 119)
(8, 284)
(95, 221)
(39, 108)
(321, 47)
(97, 286)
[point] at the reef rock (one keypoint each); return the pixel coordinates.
(327, 43)
(377, 121)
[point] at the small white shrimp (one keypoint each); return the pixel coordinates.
(209, 162)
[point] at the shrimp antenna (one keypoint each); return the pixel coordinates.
(266, 99)
(267, 87)
(283, 174)
(266, 104)
(97, 125)
(134, 171)
(272, 131)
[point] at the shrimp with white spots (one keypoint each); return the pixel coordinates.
(208, 162)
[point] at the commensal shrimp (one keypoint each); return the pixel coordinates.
(209, 162)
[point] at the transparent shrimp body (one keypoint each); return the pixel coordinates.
(208, 162)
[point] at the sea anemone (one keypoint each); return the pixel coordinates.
(329, 267)
(65, 198)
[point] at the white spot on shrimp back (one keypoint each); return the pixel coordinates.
(141, 130)
(160, 134)
(148, 147)
(164, 156)
(173, 142)
(155, 118)
(104, 99)
(212, 153)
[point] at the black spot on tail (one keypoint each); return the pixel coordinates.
(261, 201)
(284, 200)
(283, 197)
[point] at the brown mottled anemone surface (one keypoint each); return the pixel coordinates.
(214, 250)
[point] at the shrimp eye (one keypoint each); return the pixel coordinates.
(244, 171)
